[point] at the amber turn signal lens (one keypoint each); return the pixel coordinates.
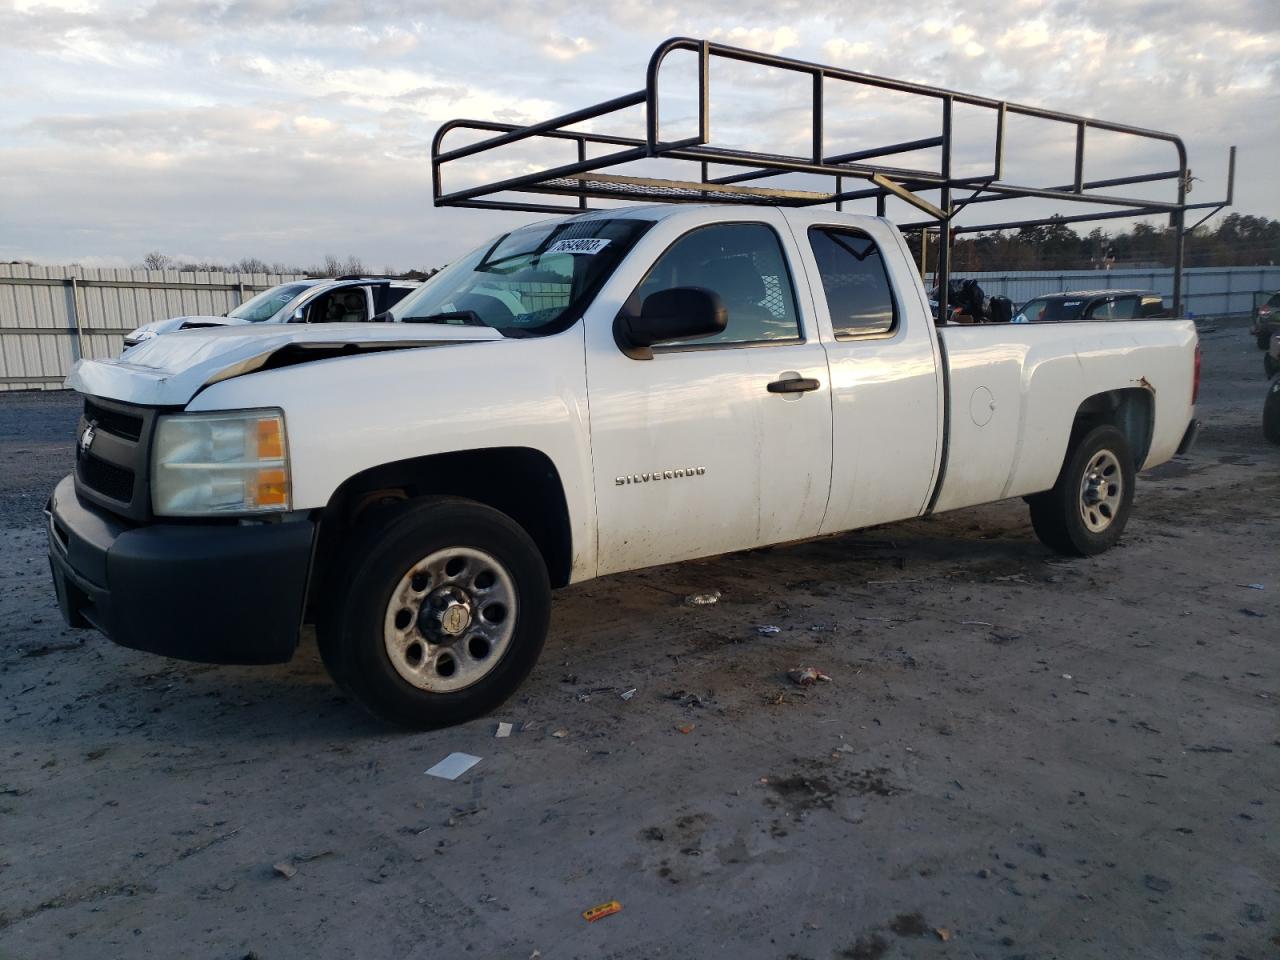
(273, 488)
(270, 439)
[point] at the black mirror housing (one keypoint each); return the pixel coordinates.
(680, 313)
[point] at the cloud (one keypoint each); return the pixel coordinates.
(266, 127)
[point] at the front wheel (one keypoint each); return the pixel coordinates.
(1086, 511)
(443, 609)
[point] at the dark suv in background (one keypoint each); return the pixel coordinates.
(1266, 320)
(1092, 305)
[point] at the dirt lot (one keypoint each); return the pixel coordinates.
(1017, 755)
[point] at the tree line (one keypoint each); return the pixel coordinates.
(331, 266)
(1236, 240)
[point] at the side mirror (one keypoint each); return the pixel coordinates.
(299, 316)
(676, 314)
(383, 317)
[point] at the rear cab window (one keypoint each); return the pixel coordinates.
(744, 264)
(855, 281)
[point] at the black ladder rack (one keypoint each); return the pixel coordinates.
(871, 178)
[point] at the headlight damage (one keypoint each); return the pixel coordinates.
(219, 464)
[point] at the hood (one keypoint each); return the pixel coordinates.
(177, 323)
(170, 370)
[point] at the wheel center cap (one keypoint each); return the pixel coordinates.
(446, 614)
(454, 619)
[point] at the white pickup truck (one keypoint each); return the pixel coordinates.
(575, 398)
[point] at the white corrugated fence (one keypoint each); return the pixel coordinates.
(52, 316)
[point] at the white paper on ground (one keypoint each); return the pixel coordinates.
(453, 766)
(504, 729)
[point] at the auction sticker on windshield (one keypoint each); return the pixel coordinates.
(588, 245)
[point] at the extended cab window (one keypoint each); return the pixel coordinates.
(743, 263)
(855, 282)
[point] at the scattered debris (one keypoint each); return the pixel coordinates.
(702, 599)
(806, 676)
(1210, 748)
(1252, 586)
(1157, 884)
(628, 694)
(560, 734)
(453, 766)
(943, 934)
(1066, 676)
(975, 623)
(285, 869)
(504, 730)
(685, 728)
(768, 630)
(1251, 613)
(599, 912)
(47, 649)
(687, 699)
(909, 925)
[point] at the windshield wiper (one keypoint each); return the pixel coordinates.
(468, 317)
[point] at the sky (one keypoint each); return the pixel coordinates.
(214, 130)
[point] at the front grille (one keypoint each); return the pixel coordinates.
(113, 421)
(106, 478)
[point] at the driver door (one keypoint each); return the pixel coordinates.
(699, 451)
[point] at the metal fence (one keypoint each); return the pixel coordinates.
(1206, 291)
(52, 316)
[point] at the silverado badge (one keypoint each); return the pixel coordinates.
(660, 475)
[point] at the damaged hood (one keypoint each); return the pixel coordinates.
(170, 370)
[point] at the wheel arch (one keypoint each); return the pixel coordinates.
(1131, 410)
(521, 482)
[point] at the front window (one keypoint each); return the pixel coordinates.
(744, 264)
(529, 282)
(268, 303)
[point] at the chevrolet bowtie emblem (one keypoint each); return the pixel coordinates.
(86, 438)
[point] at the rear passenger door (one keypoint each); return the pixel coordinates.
(699, 451)
(885, 388)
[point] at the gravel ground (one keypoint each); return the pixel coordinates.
(1017, 755)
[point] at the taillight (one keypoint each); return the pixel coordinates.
(1195, 378)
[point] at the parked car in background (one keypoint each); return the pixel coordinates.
(1266, 320)
(1092, 305)
(1271, 411)
(317, 300)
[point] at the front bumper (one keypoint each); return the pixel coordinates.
(205, 592)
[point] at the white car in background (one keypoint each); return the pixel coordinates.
(317, 300)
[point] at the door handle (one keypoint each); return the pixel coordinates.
(794, 385)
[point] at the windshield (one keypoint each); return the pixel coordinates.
(268, 303)
(529, 282)
(1049, 310)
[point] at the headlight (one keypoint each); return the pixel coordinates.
(220, 464)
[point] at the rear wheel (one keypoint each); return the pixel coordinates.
(1271, 365)
(1271, 412)
(1086, 511)
(443, 611)
(1264, 341)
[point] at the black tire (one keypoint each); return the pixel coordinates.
(1264, 341)
(1063, 519)
(1271, 412)
(1271, 365)
(353, 633)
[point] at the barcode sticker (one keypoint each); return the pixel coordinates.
(587, 245)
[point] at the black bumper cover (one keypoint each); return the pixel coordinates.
(205, 592)
(1189, 437)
